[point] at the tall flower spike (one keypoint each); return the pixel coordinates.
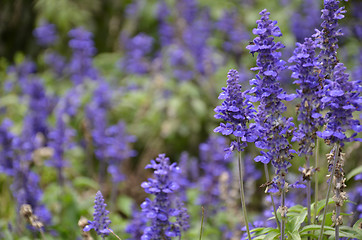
(310, 93)
(236, 111)
(272, 128)
(165, 204)
(100, 221)
(327, 38)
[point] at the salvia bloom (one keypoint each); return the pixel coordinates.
(81, 65)
(272, 128)
(327, 38)
(165, 204)
(341, 99)
(101, 220)
(46, 34)
(310, 93)
(236, 111)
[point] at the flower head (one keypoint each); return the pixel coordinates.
(100, 221)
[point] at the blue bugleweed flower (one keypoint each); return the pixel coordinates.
(310, 92)
(342, 98)
(236, 111)
(101, 220)
(271, 127)
(45, 34)
(22, 73)
(166, 31)
(165, 204)
(56, 62)
(81, 65)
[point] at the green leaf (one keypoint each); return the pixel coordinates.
(80, 182)
(294, 235)
(354, 172)
(315, 227)
(272, 235)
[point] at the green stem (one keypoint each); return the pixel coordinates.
(308, 193)
(316, 186)
(241, 182)
(202, 222)
(282, 231)
(336, 147)
(271, 196)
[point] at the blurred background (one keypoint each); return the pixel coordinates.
(91, 91)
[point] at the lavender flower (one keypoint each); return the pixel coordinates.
(46, 34)
(165, 205)
(81, 66)
(187, 10)
(100, 221)
(236, 111)
(309, 92)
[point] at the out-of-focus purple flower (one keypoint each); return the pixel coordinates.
(60, 140)
(25, 187)
(81, 65)
(45, 34)
(357, 25)
(305, 20)
(22, 74)
(135, 61)
(165, 205)
(118, 149)
(234, 32)
(213, 165)
(165, 30)
(39, 109)
(195, 38)
(101, 220)
(56, 62)
(342, 98)
(310, 93)
(187, 10)
(6, 150)
(272, 128)
(136, 225)
(236, 111)
(180, 61)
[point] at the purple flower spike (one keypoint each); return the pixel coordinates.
(236, 110)
(165, 204)
(100, 221)
(310, 93)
